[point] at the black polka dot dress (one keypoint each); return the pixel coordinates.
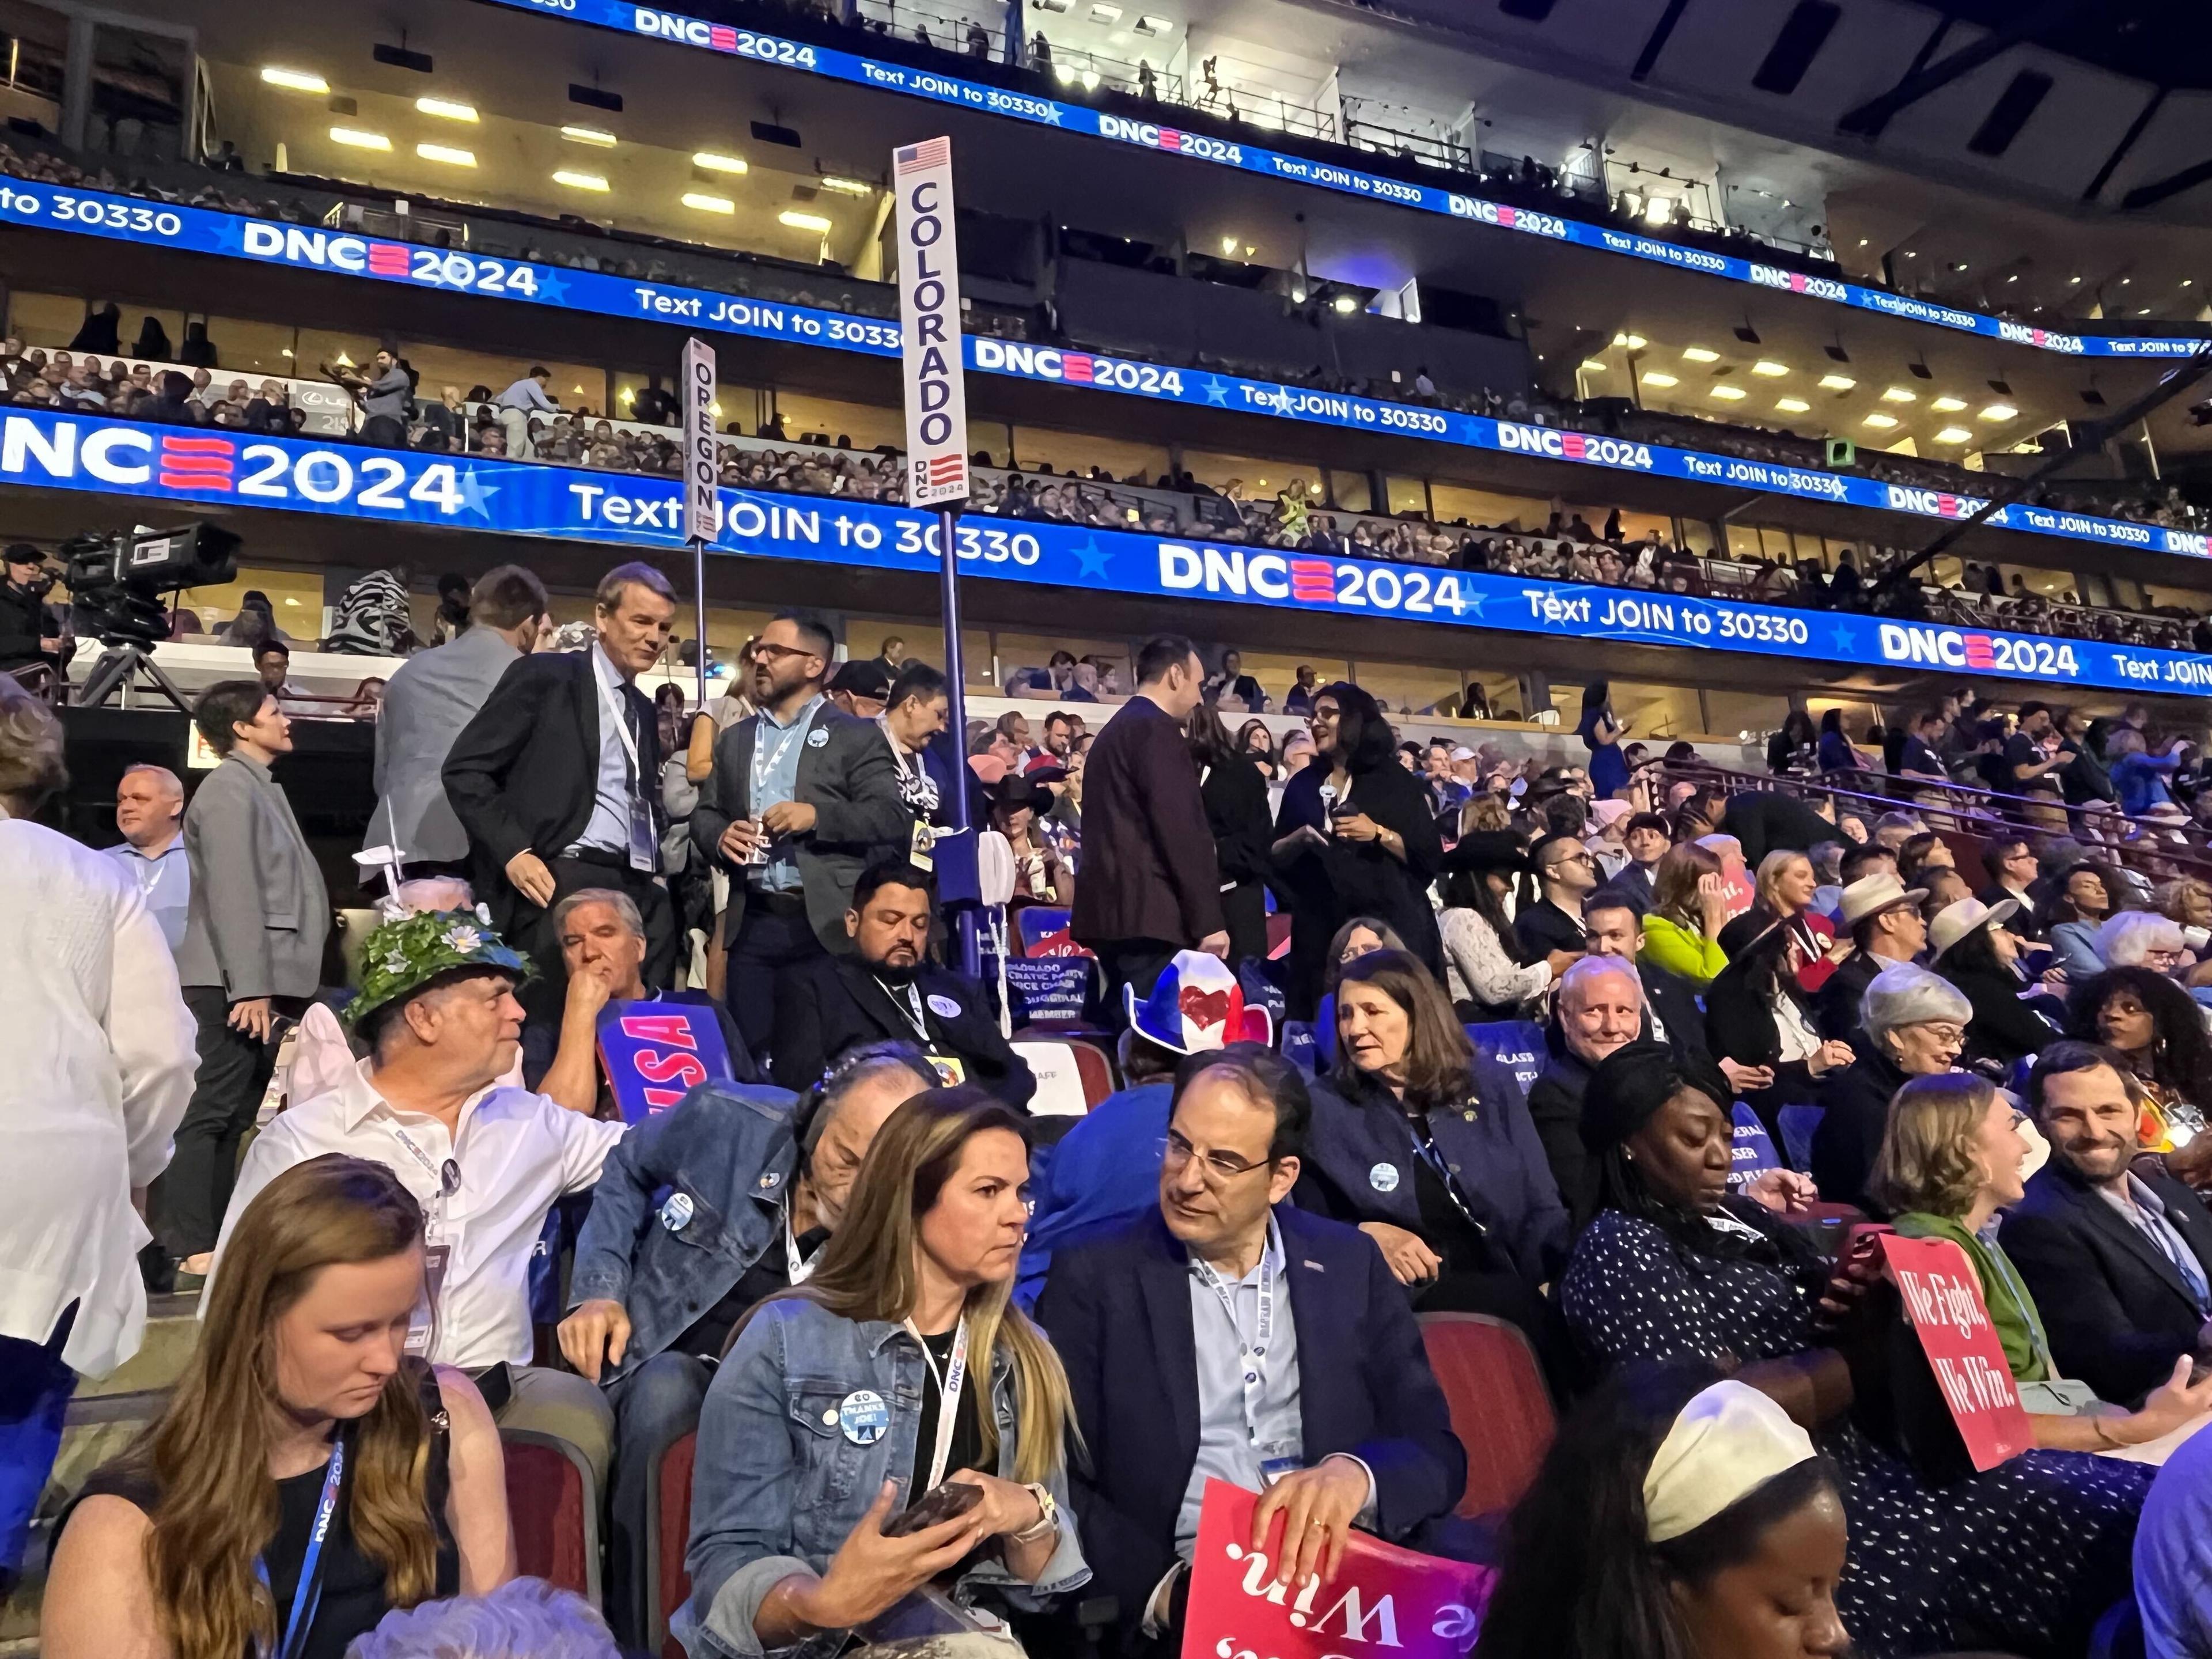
(2023, 1557)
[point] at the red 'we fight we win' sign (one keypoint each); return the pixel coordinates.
(1383, 1600)
(1943, 1302)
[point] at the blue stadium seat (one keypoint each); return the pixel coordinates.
(1299, 1047)
(1797, 1125)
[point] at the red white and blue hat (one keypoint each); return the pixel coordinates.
(1196, 1007)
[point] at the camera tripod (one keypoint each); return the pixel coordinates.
(120, 664)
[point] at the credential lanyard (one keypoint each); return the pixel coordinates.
(948, 1395)
(912, 1009)
(448, 1176)
(765, 763)
(1251, 1357)
(308, 1596)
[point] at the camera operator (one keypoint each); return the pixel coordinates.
(27, 633)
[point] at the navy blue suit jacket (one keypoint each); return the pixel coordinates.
(1118, 1310)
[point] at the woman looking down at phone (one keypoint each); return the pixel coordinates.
(2022, 1559)
(897, 1369)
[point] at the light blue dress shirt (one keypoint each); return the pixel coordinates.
(776, 747)
(609, 828)
(165, 881)
(1229, 1448)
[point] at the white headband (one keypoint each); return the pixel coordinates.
(1729, 1441)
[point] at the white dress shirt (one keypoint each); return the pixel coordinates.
(608, 827)
(100, 1060)
(517, 1152)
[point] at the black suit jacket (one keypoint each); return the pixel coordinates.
(1149, 870)
(2117, 1312)
(1118, 1311)
(1674, 999)
(834, 1004)
(848, 775)
(1543, 927)
(523, 773)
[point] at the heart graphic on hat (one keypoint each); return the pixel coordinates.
(1204, 1009)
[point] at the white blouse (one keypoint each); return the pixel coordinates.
(1478, 966)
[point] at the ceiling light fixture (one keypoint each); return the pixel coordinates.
(448, 154)
(1597, 365)
(1953, 435)
(1897, 394)
(846, 186)
(797, 220)
(1880, 422)
(1229, 245)
(1700, 354)
(2000, 412)
(1731, 394)
(1948, 405)
(589, 136)
(296, 80)
(1792, 405)
(580, 180)
(706, 203)
(1653, 377)
(1837, 383)
(359, 139)
(715, 163)
(447, 109)
(1770, 368)
(1346, 305)
(1632, 342)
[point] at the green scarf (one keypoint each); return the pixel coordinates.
(2012, 1310)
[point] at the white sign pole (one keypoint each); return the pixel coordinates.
(702, 505)
(937, 419)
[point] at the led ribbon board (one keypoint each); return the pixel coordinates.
(207, 466)
(305, 247)
(942, 89)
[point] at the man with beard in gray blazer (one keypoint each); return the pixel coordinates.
(252, 954)
(428, 703)
(803, 798)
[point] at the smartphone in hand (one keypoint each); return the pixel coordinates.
(947, 1502)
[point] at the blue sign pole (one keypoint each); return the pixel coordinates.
(956, 718)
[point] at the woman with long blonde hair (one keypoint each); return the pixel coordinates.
(899, 1369)
(299, 1414)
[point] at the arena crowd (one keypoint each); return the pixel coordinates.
(1395, 1034)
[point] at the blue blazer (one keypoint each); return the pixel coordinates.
(1361, 1160)
(1118, 1310)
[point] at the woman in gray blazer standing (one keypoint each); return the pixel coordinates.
(252, 952)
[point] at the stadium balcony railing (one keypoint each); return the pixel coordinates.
(513, 234)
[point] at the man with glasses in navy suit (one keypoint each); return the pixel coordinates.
(1181, 1335)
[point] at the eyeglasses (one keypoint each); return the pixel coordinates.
(762, 649)
(1219, 1169)
(1949, 1035)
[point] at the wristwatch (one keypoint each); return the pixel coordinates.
(1048, 1521)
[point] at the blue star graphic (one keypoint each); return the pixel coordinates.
(1052, 113)
(552, 290)
(475, 493)
(1470, 429)
(1843, 637)
(230, 234)
(1092, 559)
(1473, 602)
(1217, 391)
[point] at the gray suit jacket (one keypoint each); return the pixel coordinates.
(260, 911)
(849, 778)
(433, 697)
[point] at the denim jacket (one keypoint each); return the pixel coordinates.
(778, 1486)
(726, 1150)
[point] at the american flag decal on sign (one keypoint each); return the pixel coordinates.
(1313, 581)
(388, 259)
(929, 152)
(944, 470)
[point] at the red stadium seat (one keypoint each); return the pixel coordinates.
(1500, 1408)
(554, 1506)
(1096, 1067)
(671, 1512)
